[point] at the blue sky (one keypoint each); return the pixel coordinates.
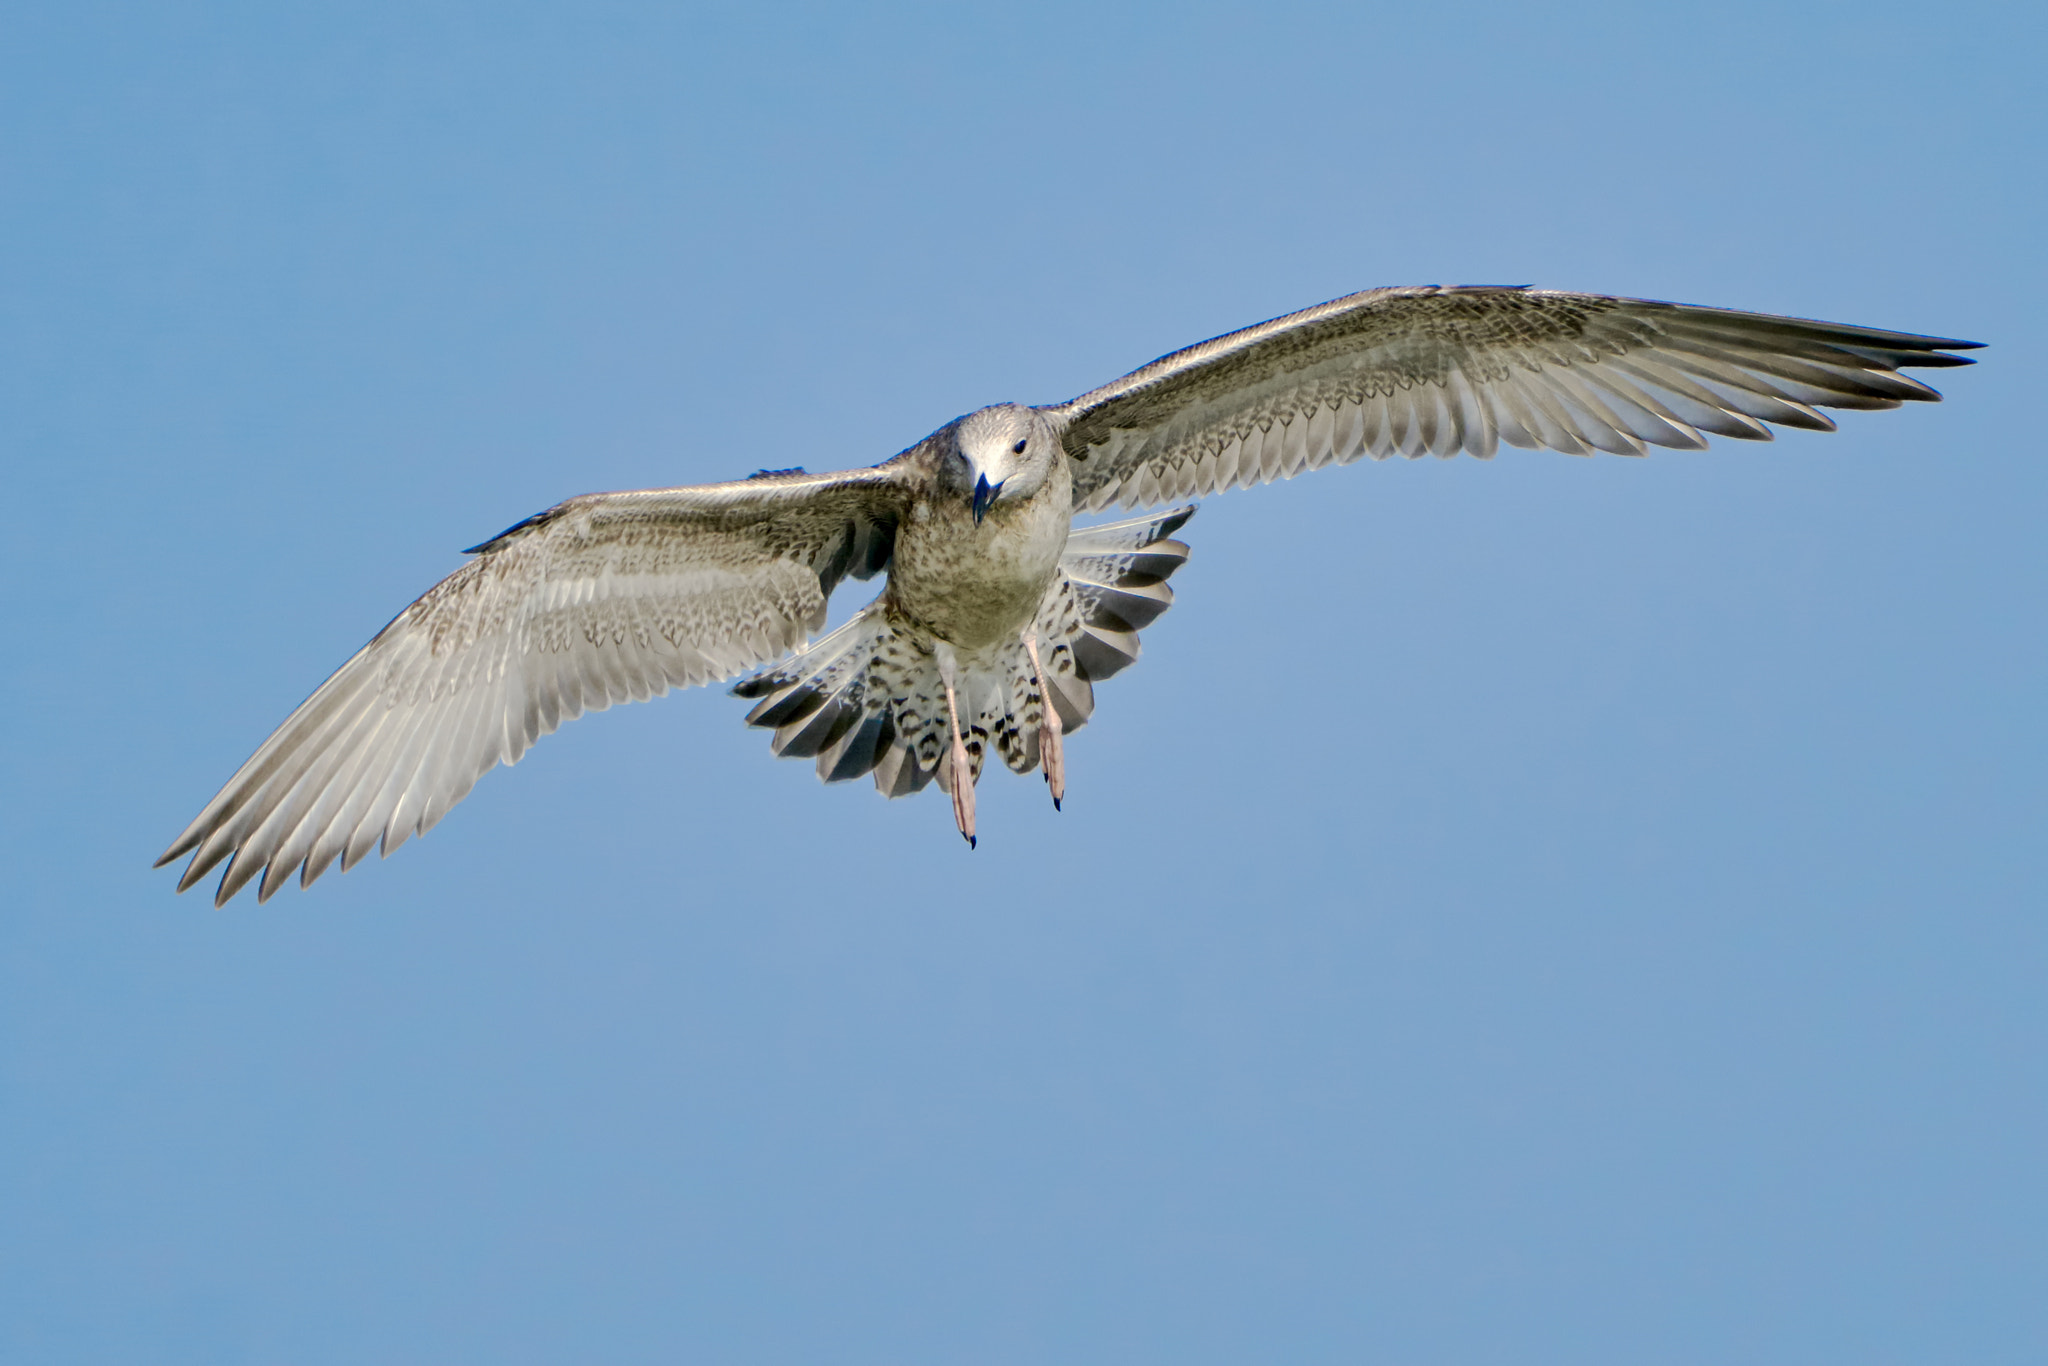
(1543, 910)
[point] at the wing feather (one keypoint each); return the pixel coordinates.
(1517, 424)
(603, 599)
(1429, 370)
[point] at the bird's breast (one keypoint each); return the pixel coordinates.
(975, 585)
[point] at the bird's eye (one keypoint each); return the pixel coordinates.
(1018, 448)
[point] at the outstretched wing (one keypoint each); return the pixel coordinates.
(611, 597)
(1426, 369)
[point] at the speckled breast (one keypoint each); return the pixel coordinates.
(979, 585)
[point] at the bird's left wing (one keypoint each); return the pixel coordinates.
(1422, 369)
(610, 597)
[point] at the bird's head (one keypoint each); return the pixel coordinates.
(999, 454)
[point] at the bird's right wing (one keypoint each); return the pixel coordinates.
(1418, 370)
(610, 597)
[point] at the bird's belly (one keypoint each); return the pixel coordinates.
(971, 585)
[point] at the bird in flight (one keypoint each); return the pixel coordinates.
(998, 615)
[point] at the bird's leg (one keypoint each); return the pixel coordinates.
(1052, 757)
(963, 772)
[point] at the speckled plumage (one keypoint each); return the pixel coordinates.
(620, 596)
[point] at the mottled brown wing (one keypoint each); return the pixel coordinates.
(611, 597)
(1430, 370)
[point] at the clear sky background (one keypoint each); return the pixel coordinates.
(1557, 910)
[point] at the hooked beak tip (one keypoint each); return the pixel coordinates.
(984, 494)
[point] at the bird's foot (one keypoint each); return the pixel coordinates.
(1052, 755)
(963, 791)
(962, 783)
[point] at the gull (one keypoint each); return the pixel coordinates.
(998, 613)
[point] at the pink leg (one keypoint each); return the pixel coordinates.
(963, 772)
(1051, 754)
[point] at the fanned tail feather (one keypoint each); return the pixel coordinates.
(1118, 575)
(867, 699)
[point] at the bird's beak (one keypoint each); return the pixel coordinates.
(984, 494)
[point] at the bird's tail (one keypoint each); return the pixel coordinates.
(868, 698)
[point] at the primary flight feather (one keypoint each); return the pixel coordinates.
(998, 614)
